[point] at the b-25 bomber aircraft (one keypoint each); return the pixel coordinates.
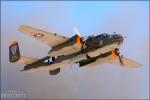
(87, 52)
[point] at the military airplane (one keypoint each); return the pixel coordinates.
(84, 51)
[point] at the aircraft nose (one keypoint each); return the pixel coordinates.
(120, 39)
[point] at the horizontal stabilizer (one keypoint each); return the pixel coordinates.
(15, 56)
(26, 60)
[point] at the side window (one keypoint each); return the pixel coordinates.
(110, 36)
(101, 42)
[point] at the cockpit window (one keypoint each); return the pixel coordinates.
(110, 36)
(102, 36)
(115, 35)
(105, 34)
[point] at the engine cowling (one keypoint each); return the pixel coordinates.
(115, 53)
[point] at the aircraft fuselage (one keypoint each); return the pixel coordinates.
(94, 47)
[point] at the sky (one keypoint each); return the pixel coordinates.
(128, 18)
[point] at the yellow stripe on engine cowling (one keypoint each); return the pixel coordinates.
(114, 54)
(79, 42)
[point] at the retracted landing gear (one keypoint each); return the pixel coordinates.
(54, 72)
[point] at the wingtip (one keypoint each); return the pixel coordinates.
(22, 27)
(136, 66)
(141, 65)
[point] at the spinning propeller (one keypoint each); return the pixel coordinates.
(116, 53)
(80, 35)
(80, 39)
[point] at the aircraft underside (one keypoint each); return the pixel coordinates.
(88, 52)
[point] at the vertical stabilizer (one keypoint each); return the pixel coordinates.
(14, 53)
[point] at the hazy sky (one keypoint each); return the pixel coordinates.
(106, 81)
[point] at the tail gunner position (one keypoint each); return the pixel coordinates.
(87, 52)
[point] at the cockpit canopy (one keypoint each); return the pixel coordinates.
(106, 38)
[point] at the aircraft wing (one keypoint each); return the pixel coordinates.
(126, 63)
(51, 39)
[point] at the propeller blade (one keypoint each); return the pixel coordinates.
(75, 29)
(120, 60)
